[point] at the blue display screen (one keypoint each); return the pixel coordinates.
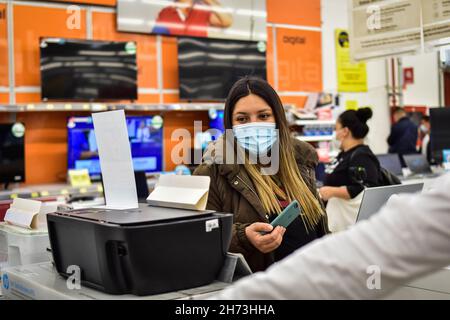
(216, 120)
(146, 141)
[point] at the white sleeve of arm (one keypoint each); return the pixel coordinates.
(409, 238)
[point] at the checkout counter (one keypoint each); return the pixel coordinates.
(435, 286)
(42, 282)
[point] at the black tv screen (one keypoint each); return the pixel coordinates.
(88, 70)
(12, 153)
(208, 68)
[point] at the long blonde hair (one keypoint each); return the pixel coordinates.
(288, 175)
(294, 186)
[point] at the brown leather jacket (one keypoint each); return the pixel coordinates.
(232, 191)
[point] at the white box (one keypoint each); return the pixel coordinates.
(22, 247)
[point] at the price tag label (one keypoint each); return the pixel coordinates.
(79, 178)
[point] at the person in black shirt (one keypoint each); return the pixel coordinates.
(356, 166)
(404, 134)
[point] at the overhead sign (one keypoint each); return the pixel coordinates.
(383, 28)
(436, 22)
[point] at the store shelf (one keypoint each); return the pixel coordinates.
(315, 122)
(314, 138)
(34, 192)
(95, 107)
(55, 190)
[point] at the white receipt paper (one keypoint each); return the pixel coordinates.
(183, 192)
(115, 160)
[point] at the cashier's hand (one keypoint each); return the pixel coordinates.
(268, 242)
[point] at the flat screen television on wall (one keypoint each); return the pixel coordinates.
(208, 68)
(85, 70)
(12, 152)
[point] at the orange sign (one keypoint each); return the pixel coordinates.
(295, 12)
(27, 31)
(299, 60)
(4, 97)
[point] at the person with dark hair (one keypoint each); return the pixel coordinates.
(256, 124)
(404, 134)
(356, 166)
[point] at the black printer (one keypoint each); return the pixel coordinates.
(143, 251)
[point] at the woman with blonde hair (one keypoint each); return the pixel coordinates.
(250, 189)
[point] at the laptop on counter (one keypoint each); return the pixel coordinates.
(375, 198)
(419, 166)
(391, 162)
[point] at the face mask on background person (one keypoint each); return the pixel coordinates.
(423, 128)
(256, 137)
(336, 144)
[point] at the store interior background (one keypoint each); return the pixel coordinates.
(293, 70)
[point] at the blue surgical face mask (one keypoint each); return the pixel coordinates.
(424, 128)
(335, 142)
(256, 137)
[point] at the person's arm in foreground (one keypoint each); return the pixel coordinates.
(410, 237)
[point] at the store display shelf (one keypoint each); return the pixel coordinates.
(314, 122)
(95, 107)
(314, 138)
(50, 191)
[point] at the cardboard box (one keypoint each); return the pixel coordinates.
(182, 192)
